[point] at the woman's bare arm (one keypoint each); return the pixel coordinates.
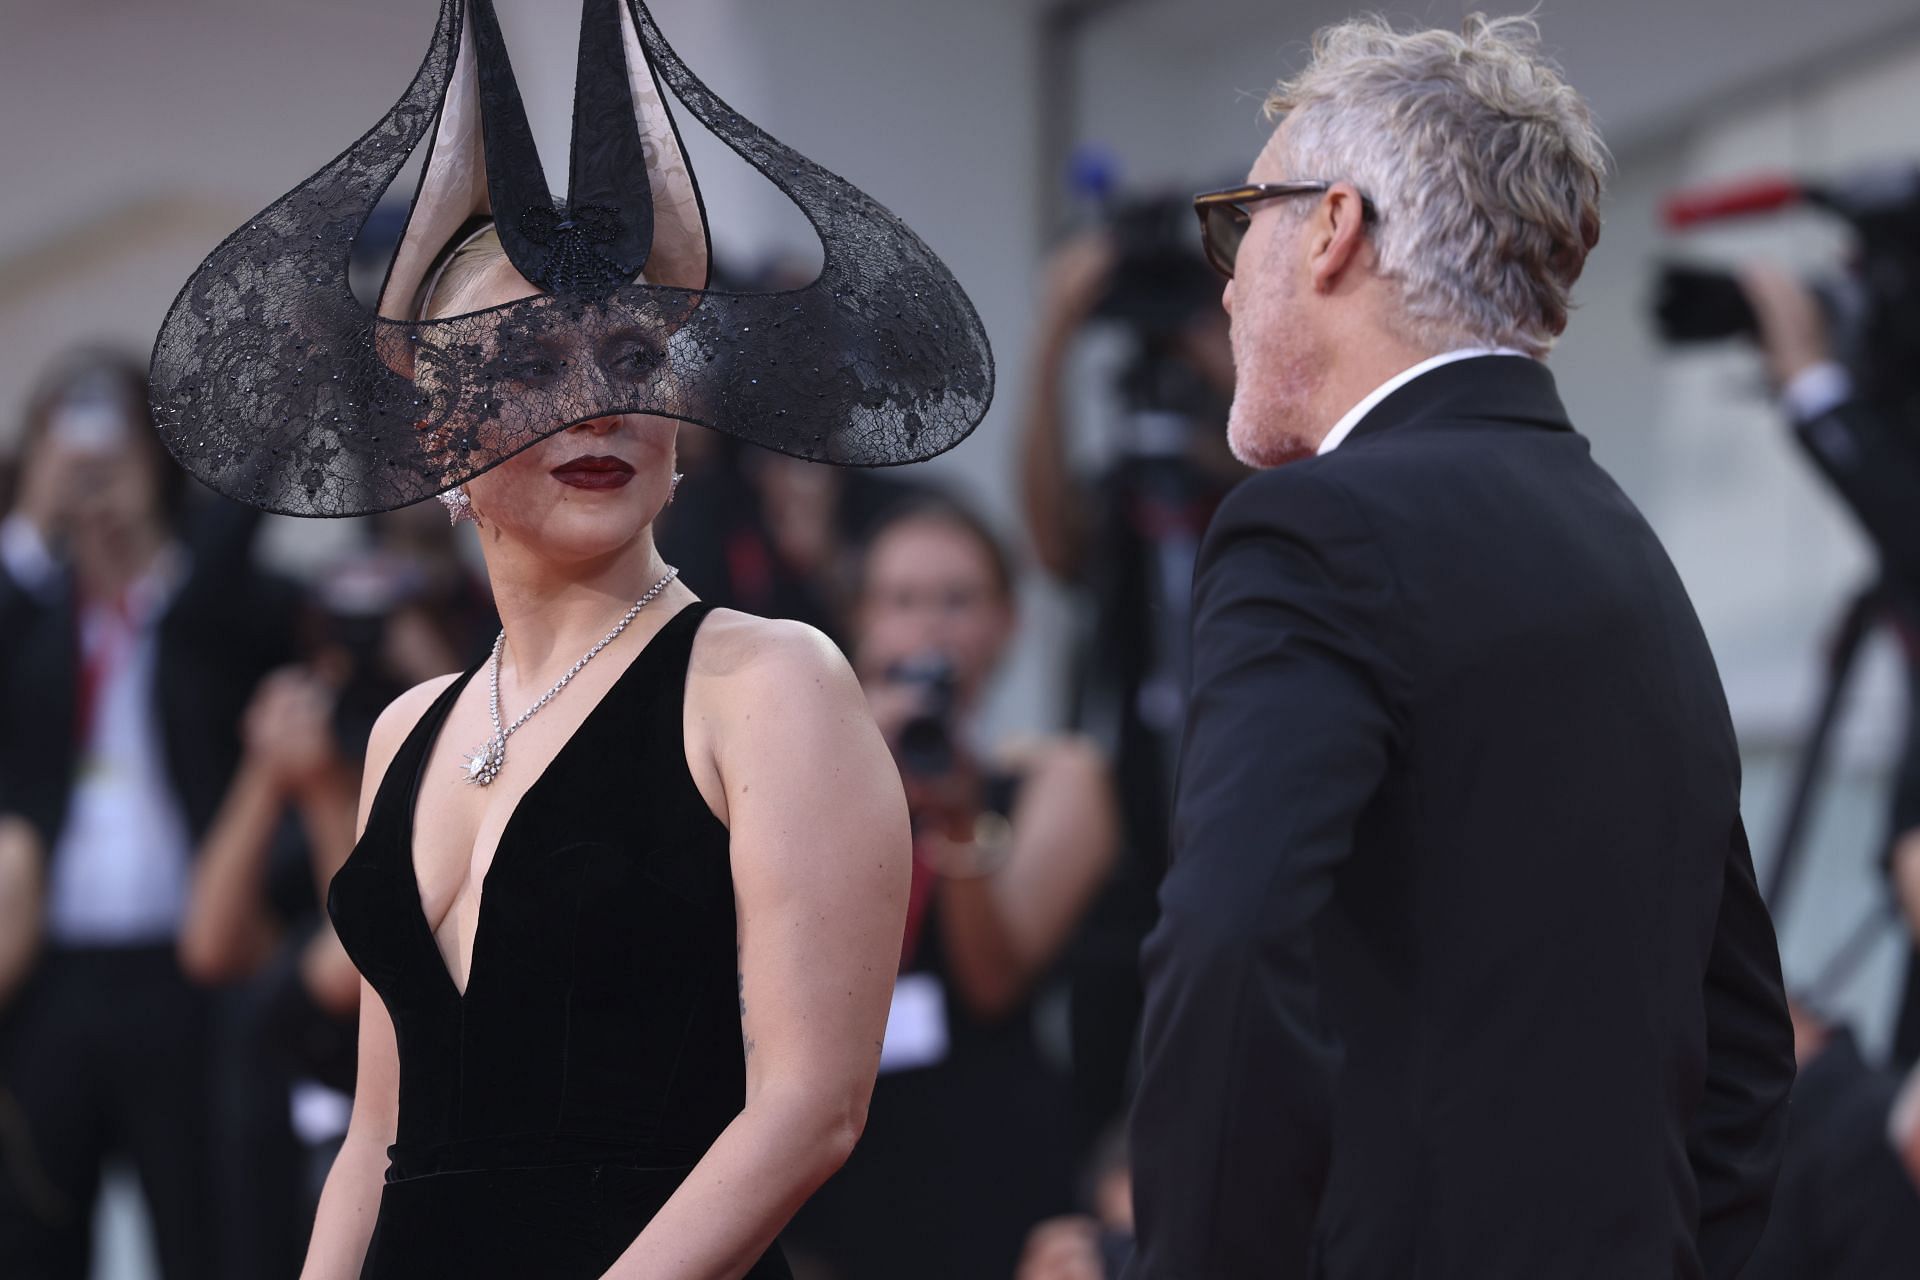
(820, 867)
(1003, 930)
(351, 1198)
(22, 895)
(228, 932)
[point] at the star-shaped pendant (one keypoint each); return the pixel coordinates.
(483, 766)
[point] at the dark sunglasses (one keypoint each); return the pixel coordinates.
(1224, 215)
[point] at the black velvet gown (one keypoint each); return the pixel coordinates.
(549, 1112)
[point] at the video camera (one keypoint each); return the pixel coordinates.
(1873, 312)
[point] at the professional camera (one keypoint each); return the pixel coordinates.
(1159, 279)
(1873, 312)
(925, 744)
(357, 598)
(1158, 287)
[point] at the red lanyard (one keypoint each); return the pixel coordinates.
(108, 635)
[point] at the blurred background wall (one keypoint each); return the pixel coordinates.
(135, 133)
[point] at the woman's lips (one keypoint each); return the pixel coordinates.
(598, 472)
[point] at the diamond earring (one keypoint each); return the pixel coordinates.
(673, 487)
(459, 506)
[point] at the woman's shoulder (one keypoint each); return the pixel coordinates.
(401, 715)
(748, 652)
(754, 682)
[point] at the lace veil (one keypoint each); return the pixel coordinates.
(274, 385)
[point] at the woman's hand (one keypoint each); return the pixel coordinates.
(946, 803)
(1063, 1249)
(288, 730)
(1077, 276)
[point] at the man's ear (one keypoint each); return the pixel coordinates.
(1337, 235)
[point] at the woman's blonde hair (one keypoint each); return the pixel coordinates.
(447, 293)
(1483, 161)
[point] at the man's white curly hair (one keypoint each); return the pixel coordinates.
(1484, 163)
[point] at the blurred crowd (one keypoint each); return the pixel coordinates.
(182, 730)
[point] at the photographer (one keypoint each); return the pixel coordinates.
(968, 1138)
(1876, 467)
(1123, 540)
(133, 628)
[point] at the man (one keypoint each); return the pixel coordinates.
(130, 641)
(1462, 970)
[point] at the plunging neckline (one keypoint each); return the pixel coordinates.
(411, 814)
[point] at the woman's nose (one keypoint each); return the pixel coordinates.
(598, 426)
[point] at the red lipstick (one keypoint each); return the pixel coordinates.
(596, 472)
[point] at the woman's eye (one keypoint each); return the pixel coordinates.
(639, 360)
(533, 371)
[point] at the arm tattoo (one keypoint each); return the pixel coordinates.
(740, 982)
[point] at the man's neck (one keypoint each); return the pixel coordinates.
(1377, 360)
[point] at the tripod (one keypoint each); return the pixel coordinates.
(1861, 616)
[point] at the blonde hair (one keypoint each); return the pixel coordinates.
(1483, 161)
(460, 276)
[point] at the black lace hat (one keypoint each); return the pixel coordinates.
(275, 386)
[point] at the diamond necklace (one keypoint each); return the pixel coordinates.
(484, 765)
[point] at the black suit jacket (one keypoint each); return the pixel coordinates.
(226, 626)
(1461, 970)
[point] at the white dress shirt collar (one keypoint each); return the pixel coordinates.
(1351, 419)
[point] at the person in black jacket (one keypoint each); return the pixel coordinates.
(1846, 1208)
(1871, 456)
(131, 637)
(1462, 971)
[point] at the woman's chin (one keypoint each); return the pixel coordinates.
(573, 536)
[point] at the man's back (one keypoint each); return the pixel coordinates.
(1493, 770)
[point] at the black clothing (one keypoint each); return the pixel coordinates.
(1875, 467)
(549, 1112)
(226, 627)
(959, 1159)
(106, 1050)
(1461, 968)
(1845, 1208)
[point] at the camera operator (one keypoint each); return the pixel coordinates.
(1124, 540)
(1876, 467)
(968, 1137)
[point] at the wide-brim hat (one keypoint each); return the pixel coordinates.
(274, 385)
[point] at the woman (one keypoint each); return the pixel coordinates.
(577, 1036)
(969, 1141)
(627, 952)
